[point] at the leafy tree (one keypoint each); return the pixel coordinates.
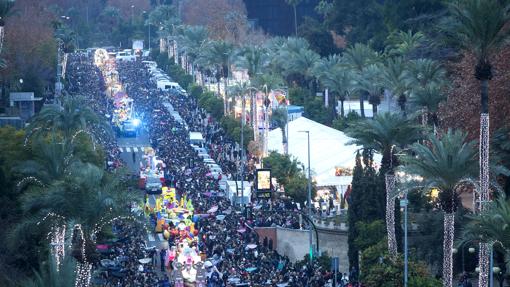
(369, 82)
(342, 85)
(379, 269)
(366, 201)
(393, 78)
(319, 37)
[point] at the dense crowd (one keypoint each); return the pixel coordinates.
(235, 254)
(231, 244)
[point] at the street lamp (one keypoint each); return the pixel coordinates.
(309, 200)
(132, 13)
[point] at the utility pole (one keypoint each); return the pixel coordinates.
(242, 149)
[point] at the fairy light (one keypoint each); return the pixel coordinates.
(449, 232)
(484, 252)
(390, 214)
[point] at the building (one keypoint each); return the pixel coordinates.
(276, 17)
(25, 103)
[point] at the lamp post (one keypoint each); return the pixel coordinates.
(309, 200)
(242, 148)
(132, 13)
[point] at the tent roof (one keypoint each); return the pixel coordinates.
(329, 149)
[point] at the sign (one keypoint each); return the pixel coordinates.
(263, 180)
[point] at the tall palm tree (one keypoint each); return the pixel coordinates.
(322, 70)
(192, 40)
(422, 72)
(5, 11)
(218, 55)
(443, 164)
(253, 59)
(481, 28)
(357, 57)
(386, 133)
(370, 82)
(342, 84)
(157, 17)
(294, 4)
(393, 78)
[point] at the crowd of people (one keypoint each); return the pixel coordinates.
(232, 247)
(235, 255)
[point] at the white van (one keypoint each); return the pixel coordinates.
(196, 138)
(125, 56)
(166, 85)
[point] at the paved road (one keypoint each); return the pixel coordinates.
(132, 149)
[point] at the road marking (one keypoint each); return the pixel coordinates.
(128, 149)
(161, 237)
(151, 238)
(135, 149)
(120, 150)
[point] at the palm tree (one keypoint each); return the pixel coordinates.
(218, 55)
(192, 40)
(322, 70)
(480, 27)
(369, 82)
(5, 11)
(157, 17)
(342, 84)
(402, 44)
(393, 78)
(302, 63)
(422, 72)
(443, 164)
(427, 99)
(52, 160)
(279, 117)
(490, 226)
(386, 133)
(294, 4)
(253, 59)
(357, 57)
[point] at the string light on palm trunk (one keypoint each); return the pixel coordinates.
(484, 198)
(390, 214)
(449, 232)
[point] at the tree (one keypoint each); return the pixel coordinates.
(157, 17)
(480, 27)
(490, 226)
(369, 81)
(366, 201)
(319, 36)
(443, 164)
(253, 59)
(5, 11)
(342, 84)
(73, 117)
(294, 4)
(393, 78)
(279, 117)
(403, 44)
(357, 57)
(218, 55)
(386, 133)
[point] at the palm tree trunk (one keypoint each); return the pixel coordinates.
(484, 177)
(255, 118)
(284, 140)
(362, 105)
(225, 84)
(374, 110)
(342, 111)
(449, 232)
(390, 214)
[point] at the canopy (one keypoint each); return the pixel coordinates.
(329, 150)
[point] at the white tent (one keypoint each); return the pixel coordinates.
(329, 149)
